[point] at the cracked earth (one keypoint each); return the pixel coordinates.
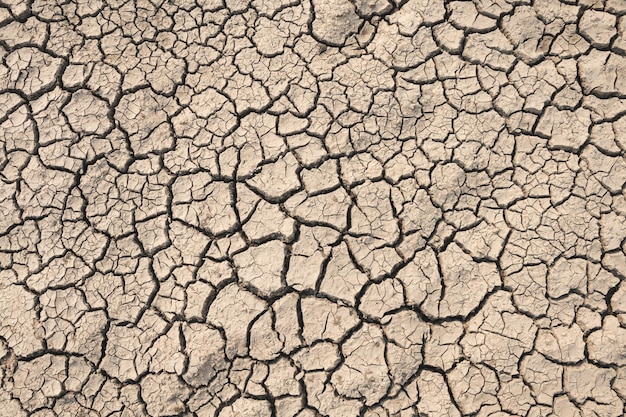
(312, 208)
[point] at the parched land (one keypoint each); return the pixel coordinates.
(312, 208)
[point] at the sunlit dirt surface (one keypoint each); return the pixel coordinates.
(307, 208)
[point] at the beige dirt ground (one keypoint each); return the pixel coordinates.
(335, 208)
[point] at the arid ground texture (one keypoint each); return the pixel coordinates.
(312, 208)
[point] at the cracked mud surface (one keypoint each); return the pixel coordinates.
(312, 208)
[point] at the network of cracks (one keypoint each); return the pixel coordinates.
(303, 208)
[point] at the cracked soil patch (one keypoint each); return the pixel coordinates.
(312, 208)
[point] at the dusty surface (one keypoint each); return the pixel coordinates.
(312, 208)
